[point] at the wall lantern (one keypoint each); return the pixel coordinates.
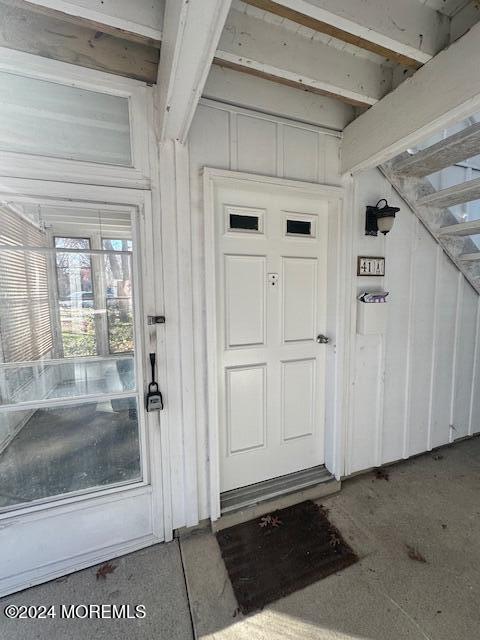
(379, 218)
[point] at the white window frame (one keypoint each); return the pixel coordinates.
(42, 167)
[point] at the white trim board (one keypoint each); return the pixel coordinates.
(335, 428)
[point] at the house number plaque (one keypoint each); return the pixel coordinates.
(370, 266)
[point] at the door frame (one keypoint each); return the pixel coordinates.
(340, 261)
(156, 452)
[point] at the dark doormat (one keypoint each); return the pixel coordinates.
(279, 553)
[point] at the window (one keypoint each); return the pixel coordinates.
(244, 220)
(76, 297)
(249, 223)
(39, 117)
(299, 227)
(118, 290)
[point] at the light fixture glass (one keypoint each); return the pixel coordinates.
(379, 218)
(385, 223)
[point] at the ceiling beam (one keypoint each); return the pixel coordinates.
(407, 32)
(50, 37)
(139, 21)
(191, 33)
(441, 93)
(272, 52)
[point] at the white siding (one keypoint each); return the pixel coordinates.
(429, 377)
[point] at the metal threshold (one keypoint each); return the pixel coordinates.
(231, 501)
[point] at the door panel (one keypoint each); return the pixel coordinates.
(299, 298)
(271, 305)
(75, 459)
(245, 300)
(246, 398)
(298, 396)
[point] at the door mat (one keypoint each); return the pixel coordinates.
(282, 552)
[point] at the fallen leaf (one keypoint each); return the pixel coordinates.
(438, 457)
(334, 540)
(270, 521)
(105, 569)
(381, 474)
(414, 554)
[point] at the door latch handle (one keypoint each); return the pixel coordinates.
(321, 339)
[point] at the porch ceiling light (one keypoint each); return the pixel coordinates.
(379, 218)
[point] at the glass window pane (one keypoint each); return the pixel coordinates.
(58, 450)
(66, 332)
(72, 243)
(46, 118)
(68, 379)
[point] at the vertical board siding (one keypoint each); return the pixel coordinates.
(446, 310)
(224, 137)
(398, 259)
(431, 375)
(424, 266)
(362, 444)
(306, 166)
(257, 145)
(466, 335)
(475, 398)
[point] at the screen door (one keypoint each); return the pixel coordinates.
(75, 442)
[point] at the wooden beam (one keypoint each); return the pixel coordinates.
(409, 35)
(470, 257)
(139, 21)
(471, 228)
(272, 52)
(461, 146)
(441, 93)
(191, 33)
(458, 194)
(53, 38)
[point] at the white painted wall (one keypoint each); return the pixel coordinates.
(408, 385)
(411, 384)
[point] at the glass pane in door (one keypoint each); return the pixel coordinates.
(70, 410)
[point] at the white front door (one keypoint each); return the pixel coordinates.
(80, 478)
(271, 264)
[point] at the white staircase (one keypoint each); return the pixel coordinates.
(408, 175)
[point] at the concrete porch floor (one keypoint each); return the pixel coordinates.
(429, 504)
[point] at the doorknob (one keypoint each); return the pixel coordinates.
(321, 339)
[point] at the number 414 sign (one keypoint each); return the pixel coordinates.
(370, 266)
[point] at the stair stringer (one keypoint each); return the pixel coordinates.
(411, 189)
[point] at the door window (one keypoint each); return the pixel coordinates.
(70, 416)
